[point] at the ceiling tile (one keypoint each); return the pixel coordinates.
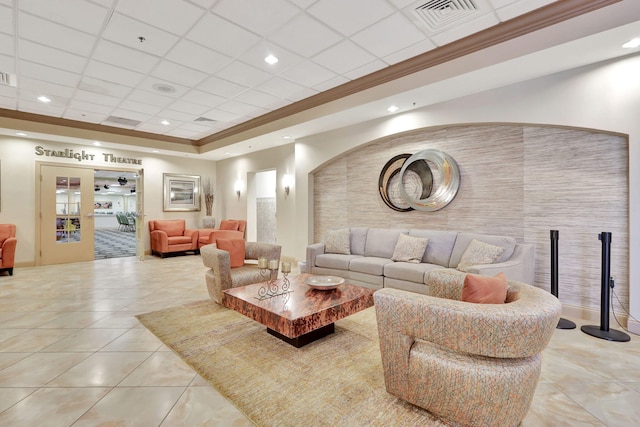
(243, 74)
(174, 116)
(6, 20)
(308, 74)
(220, 115)
(177, 73)
(148, 85)
(175, 16)
(94, 98)
(366, 69)
(331, 83)
(133, 115)
(8, 91)
(459, 31)
(189, 107)
(126, 31)
(124, 57)
(240, 108)
(79, 14)
(155, 127)
(303, 4)
(7, 64)
(45, 88)
(255, 56)
(140, 107)
(204, 3)
(222, 36)
(305, 36)
(400, 4)
(83, 116)
(203, 98)
(349, 17)
(182, 133)
(107, 72)
(410, 52)
(193, 127)
(343, 57)
(40, 108)
(389, 35)
(53, 75)
(280, 87)
(45, 32)
(150, 98)
(8, 103)
(301, 95)
(519, 8)
(260, 16)
(103, 87)
(6, 45)
(221, 87)
(257, 98)
(90, 107)
(198, 57)
(51, 57)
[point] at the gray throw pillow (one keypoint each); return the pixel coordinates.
(337, 242)
(410, 249)
(478, 253)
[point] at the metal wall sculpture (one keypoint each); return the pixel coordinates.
(407, 182)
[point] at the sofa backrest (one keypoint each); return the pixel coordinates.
(358, 240)
(381, 242)
(463, 240)
(439, 247)
(173, 227)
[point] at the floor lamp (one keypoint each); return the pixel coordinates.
(562, 323)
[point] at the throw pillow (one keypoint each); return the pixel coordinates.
(337, 242)
(478, 253)
(236, 250)
(485, 289)
(227, 224)
(410, 248)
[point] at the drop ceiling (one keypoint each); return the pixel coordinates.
(190, 76)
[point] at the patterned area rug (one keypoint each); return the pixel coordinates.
(335, 381)
(112, 243)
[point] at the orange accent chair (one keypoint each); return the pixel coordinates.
(229, 229)
(8, 244)
(171, 236)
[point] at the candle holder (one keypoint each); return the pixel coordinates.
(271, 287)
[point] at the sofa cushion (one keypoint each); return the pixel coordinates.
(236, 250)
(170, 226)
(409, 248)
(337, 241)
(358, 240)
(440, 245)
(229, 224)
(463, 240)
(408, 271)
(179, 240)
(479, 253)
(369, 265)
(381, 242)
(336, 261)
(485, 289)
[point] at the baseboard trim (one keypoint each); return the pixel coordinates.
(593, 315)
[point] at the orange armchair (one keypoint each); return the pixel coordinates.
(171, 236)
(229, 229)
(8, 244)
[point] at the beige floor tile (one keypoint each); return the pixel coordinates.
(613, 403)
(552, 408)
(8, 359)
(52, 407)
(39, 368)
(160, 369)
(204, 406)
(135, 340)
(34, 340)
(31, 319)
(86, 340)
(13, 395)
(103, 369)
(76, 319)
(116, 320)
(132, 407)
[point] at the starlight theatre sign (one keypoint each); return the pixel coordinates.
(69, 153)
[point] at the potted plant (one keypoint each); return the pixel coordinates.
(207, 192)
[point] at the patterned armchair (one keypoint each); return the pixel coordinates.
(8, 244)
(468, 364)
(221, 276)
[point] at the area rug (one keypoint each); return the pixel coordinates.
(335, 381)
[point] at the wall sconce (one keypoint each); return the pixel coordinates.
(238, 187)
(286, 181)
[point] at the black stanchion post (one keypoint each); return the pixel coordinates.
(605, 282)
(555, 236)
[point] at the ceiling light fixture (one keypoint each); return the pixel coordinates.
(392, 109)
(165, 122)
(632, 44)
(44, 99)
(270, 59)
(21, 134)
(286, 137)
(96, 143)
(164, 88)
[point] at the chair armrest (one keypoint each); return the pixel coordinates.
(312, 252)
(194, 234)
(218, 277)
(215, 233)
(521, 328)
(520, 267)
(8, 252)
(159, 241)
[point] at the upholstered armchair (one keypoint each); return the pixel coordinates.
(171, 236)
(229, 229)
(221, 275)
(8, 244)
(466, 363)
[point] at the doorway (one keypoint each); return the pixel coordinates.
(265, 185)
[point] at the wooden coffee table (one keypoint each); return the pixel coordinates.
(304, 314)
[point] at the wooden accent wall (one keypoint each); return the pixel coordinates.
(516, 180)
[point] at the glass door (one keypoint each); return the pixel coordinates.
(140, 215)
(66, 210)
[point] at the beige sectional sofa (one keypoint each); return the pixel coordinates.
(366, 259)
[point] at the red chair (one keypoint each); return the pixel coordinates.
(171, 236)
(8, 244)
(229, 229)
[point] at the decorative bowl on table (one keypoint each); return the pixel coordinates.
(324, 282)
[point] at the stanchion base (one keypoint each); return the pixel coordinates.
(565, 324)
(610, 335)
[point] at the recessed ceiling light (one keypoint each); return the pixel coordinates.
(155, 151)
(44, 99)
(286, 137)
(270, 59)
(164, 88)
(227, 153)
(165, 122)
(631, 44)
(392, 109)
(97, 143)
(21, 134)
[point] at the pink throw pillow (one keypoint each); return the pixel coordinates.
(236, 250)
(485, 289)
(226, 224)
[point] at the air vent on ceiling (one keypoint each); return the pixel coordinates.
(439, 14)
(205, 120)
(7, 79)
(122, 121)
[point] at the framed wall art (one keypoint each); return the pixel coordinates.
(181, 192)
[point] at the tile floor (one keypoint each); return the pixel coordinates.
(73, 354)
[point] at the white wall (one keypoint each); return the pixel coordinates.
(18, 166)
(603, 96)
